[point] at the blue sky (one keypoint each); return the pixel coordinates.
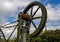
(10, 8)
(53, 2)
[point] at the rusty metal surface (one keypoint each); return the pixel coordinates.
(43, 20)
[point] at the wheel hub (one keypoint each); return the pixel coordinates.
(25, 17)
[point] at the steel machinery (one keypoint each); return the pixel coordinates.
(31, 22)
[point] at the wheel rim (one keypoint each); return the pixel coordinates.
(43, 18)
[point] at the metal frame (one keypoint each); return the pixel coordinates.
(19, 30)
(43, 18)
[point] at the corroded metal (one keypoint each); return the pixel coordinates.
(28, 18)
(24, 16)
(43, 18)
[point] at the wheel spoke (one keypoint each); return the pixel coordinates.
(34, 25)
(31, 11)
(36, 11)
(37, 17)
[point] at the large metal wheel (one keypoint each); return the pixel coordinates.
(36, 11)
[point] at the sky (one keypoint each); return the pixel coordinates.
(9, 10)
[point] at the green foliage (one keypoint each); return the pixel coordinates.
(45, 36)
(37, 40)
(48, 36)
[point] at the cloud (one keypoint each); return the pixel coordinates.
(53, 17)
(53, 12)
(10, 8)
(11, 12)
(7, 32)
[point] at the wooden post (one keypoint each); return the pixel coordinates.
(18, 29)
(21, 32)
(28, 36)
(24, 33)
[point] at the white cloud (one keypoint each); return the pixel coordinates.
(53, 12)
(53, 17)
(11, 9)
(53, 27)
(7, 32)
